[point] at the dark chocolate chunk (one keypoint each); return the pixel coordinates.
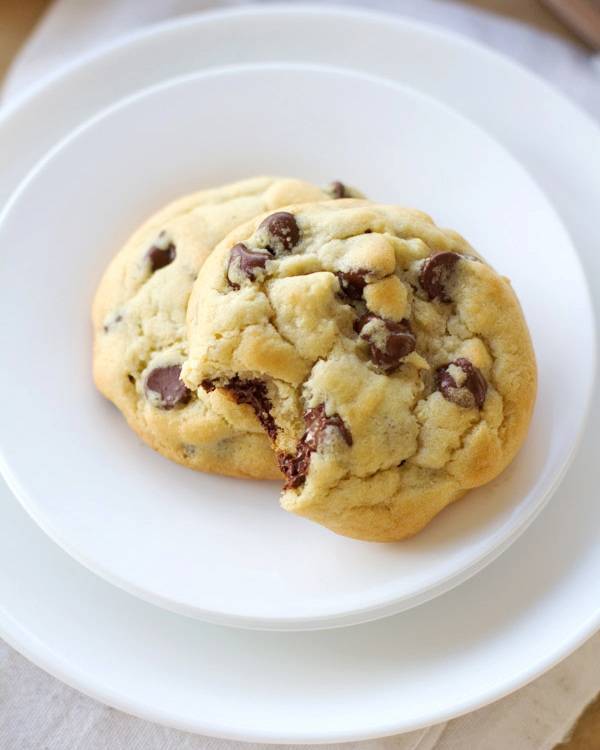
(159, 257)
(337, 189)
(282, 231)
(473, 390)
(208, 385)
(166, 382)
(254, 393)
(295, 468)
(435, 273)
(389, 344)
(317, 421)
(248, 261)
(352, 283)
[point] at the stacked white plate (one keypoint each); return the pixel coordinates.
(206, 100)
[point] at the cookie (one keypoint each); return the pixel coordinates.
(388, 363)
(140, 335)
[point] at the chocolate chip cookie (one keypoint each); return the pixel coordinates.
(388, 363)
(140, 331)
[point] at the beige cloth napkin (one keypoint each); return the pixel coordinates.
(36, 710)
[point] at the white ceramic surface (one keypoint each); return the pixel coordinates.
(485, 638)
(221, 549)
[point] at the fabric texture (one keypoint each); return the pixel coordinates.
(38, 711)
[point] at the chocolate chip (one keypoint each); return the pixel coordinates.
(131, 379)
(166, 383)
(471, 392)
(317, 421)
(208, 385)
(159, 257)
(254, 393)
(435, 273)
(352, 283)
(337, 189)
(244, 262)
(295, 468)
(282, 232)
(388, 340)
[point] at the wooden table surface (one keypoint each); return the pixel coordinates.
(18, 17)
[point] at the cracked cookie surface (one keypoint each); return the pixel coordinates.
(390, 365)
(140, 330)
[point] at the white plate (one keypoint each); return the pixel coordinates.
(485, 638)
(221, 549)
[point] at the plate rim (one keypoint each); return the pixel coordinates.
(389, 603)
(585, 630)
(133, 707)
(126, 39)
